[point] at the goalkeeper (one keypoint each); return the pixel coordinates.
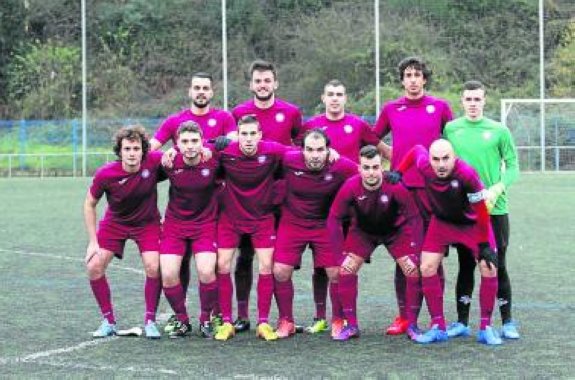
(488, 146)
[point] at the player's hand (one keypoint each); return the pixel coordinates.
(350, 265)
(206, 154)
(407, 265)
(92, 250)
(488, 255)
(393, 176)
(168, 158)
(333, 156)
(221, 142)
(492, 194)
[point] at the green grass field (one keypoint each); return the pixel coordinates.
(47, 310)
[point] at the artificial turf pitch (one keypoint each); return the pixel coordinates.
(47, 310)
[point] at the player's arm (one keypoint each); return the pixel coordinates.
(484, 224)
(417, 156)
(90, 204)
(155, 144)
(338, 212)
(508, 152)
(385, 150)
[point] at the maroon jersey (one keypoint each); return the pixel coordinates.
(280, 123)
(249, 180)
(192, 195)
(213, 124)
(451, 198)
(309, 193)
(346, 135)
(132, 197)
(412, 122)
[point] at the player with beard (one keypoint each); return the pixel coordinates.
(311, 181)
(132, 213)
(280, 122)
(415, 118)
(460, 218)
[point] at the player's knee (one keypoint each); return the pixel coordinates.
(95, 269)
(206, 274)
(332, 274)
(152, 270)
(281, 273)
(428, 269)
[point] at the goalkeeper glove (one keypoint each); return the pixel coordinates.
(221, 142)
(488, 255)
(492, 194)
(393, 176)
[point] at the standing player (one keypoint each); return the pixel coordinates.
(190, 224)
(415, 118)
(460, 217)
(247, 204)
(347, 133)
(132, 213)
(279, 121)
(214, 122)
(485, 144)
(382, 213)
(311, 182)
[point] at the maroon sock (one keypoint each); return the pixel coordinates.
(152, 291)
(103, 295)
(320, 283)
(265, 295)
(413, 299)
(400, 284)
(208, 297)
(487, 295)
(336, 311)
(177, 300)
(434, 297)
(348, 297)
(284, 293)
(225, 292)
(441, 274)
(185, 273)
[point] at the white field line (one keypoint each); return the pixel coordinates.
(65, 258)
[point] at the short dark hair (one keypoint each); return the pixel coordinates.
(473, 85)
(334, 83)
(261, 65)
(189, 126)
(248, 119)
(203, 75)
(369, 152)
(315, 133)
(132, 133)
(416, 63)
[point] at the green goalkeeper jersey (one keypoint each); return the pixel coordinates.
(488, 146)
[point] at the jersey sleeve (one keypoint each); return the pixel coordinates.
(446, 115)
(166, 130)
(297, 127)
(368, 135)
(508, 152)
(382, 125)
(340, 209)
(98, 187)
(229, 123)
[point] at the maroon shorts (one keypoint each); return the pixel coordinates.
(293, 239)
(112, 237)
(441, 234)
(261, 232)
(177, 235)
(399, 244)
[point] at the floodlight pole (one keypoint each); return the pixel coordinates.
(542, 84)
(84, 91)
(224, 55)
(377, 62)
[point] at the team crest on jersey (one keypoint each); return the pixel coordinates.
(430, 108)
(280, 117)
(262, 159)
(212, 122)
(205, 172)
(486, 135)
(145, 173)
(455, 184)
(328, 177)
(384, 198)
(348, 129)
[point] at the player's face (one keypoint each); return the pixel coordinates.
(473, 102)
(201, 92)
(315, 152)
(249, 135)
(263, 85)
(442, 161)
(370, 171)
(413, 83)
(131, 153)
(334, 98)
(190, 144)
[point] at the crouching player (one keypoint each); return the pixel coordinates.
(382, 213)
(312, 179)
(460, 217)
(132, 213)
(190, 222)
